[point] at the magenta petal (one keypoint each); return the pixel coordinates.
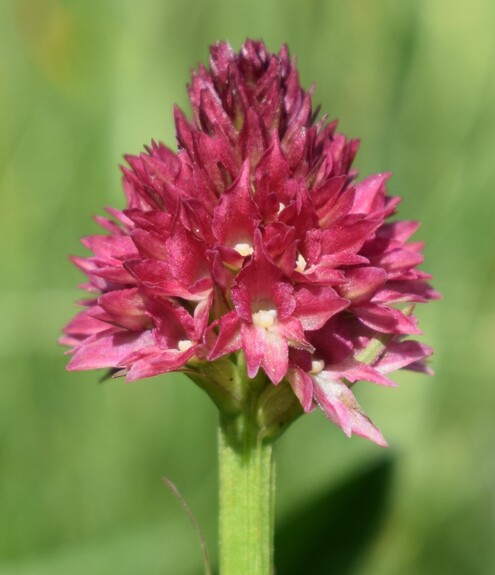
(109, 350)
(229, 336)
(196, 217)
(353, 370)
(399, 231)
(316, 305)
(149, 244)
(280, 243)
(386, 319)
(336, 209)
(82, 326)
(291, 330)
(189, 264)
(401, 354)
(183, 131)
(108, 225)
(156, 277)
(339, 404)
(114, 275)
(201, 316)
(399, 259)
(173, 323)
(326, 272)
(253, 344)
(235, 217)
(223, 264)
(405, 291)
(294, 144)
(273, 165)
(347, 238)
(302, 385)
(157, 362)
(325, 196)
(362, 284)
(275, 356)
(214, 115)
(369, 193)
(110, 248)
(126, 307)
(149, 271)
(251, 137)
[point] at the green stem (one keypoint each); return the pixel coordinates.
(246, 497)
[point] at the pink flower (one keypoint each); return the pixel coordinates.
(254, 242)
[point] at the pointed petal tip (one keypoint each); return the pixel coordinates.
(364, 428)
(252, 371)
(382, 442)
(373, 434)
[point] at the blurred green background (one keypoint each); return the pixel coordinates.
(82, 83)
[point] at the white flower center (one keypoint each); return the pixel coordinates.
(265, 317)
(184, 344)
(244, 249)
(281, 207)
(300, 263)
(317, 365)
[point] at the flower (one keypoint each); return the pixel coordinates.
(255, 245)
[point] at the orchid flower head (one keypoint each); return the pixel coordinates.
(254, 247)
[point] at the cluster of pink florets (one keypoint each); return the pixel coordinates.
(254, 237)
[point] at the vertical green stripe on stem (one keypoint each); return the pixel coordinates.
(247, 492)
